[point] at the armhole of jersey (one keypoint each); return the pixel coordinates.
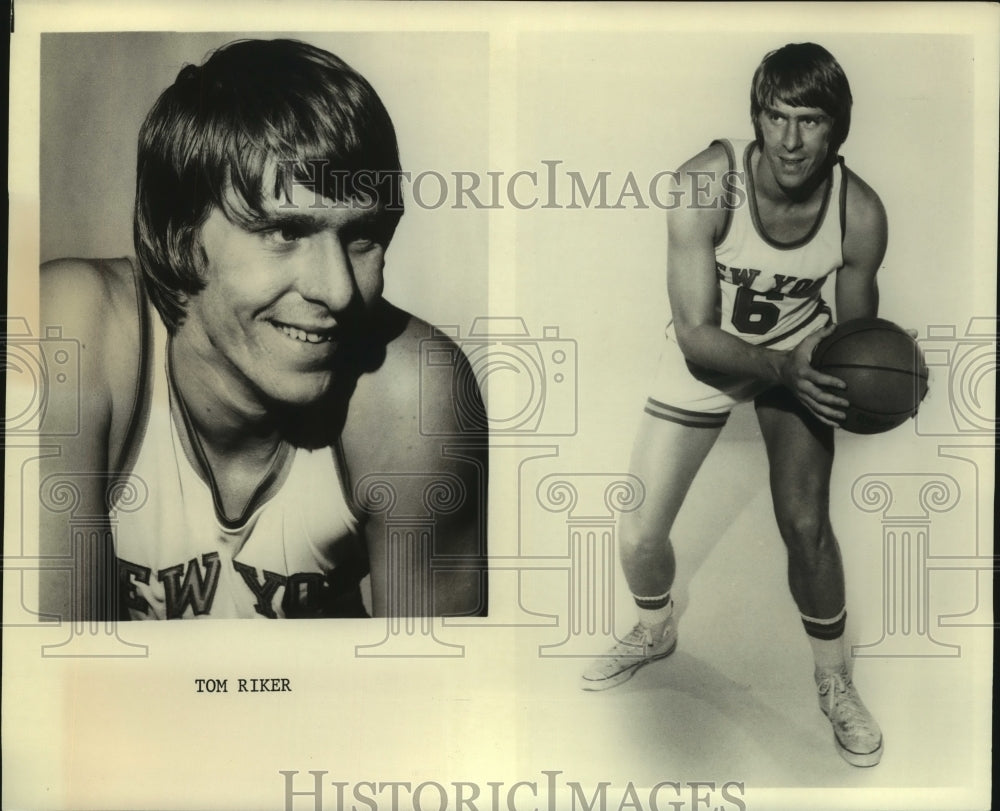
(346, 484)
(843, 199)
(726, 144)
(139, 414)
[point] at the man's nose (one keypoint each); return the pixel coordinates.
(326, 275)
(791, 138)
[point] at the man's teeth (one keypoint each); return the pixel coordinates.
(302, 335)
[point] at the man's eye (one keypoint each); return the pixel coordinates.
(362, 244)
(291, 234)
(285, 235)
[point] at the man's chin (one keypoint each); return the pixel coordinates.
(301, 394)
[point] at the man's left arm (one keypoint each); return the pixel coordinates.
(865, 238)
(425, 507)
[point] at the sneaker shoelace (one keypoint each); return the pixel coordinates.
(844, 701)
(639, 637)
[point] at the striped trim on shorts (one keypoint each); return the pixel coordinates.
(690, 395)
(692, 419)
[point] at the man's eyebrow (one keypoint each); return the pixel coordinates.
(820, 113)
(286, 219)
(311, 223)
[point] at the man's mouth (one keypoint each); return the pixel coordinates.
(304, 335)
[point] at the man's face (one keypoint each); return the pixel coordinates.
(281, 294)
(796, 142)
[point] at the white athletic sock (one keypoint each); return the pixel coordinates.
(826, 638)
(654, 611)
(828, 654)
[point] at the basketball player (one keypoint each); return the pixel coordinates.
(761, 225)
(250, 407)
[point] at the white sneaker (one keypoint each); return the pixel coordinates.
(857, 735)
(624, 659)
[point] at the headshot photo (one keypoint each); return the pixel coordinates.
(250, 410)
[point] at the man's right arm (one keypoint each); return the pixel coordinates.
(77, 580)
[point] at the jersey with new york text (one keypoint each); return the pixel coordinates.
(298, 553)
(771, 290)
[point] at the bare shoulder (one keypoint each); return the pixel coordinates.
(714, 158)
(87, 275)
(88, 297)
(864, 207)
(865, 223)
(706, 177)
(92, 305)
(703, 190)
(420, 392)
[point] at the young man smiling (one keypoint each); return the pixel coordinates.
(246, 382)
(745, 272)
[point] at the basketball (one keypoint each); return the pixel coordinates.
(883, 368)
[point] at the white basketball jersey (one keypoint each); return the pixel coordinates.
(297, 554)
(770, 289)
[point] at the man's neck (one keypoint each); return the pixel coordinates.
(228, 418)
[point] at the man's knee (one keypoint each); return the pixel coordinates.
(805, 532)
(638, 535)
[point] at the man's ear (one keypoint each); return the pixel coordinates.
(192, 249)
(388, 229)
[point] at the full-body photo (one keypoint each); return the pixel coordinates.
(760, 226)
